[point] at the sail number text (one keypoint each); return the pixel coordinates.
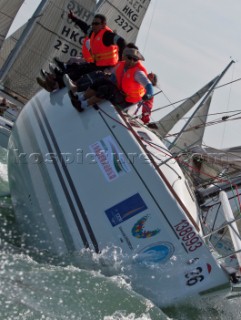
(65, 48)
(185, 231)
(123, 24)
(194, 276)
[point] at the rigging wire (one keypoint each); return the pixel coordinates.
(166, 106)
(152, 19)
(182, 163)
(207, 124)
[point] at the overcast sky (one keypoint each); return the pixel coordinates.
(187, 43)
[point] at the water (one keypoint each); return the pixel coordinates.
(37, 287)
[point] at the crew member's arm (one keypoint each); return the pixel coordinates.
(111, 38)
(141, 78)
(86, 28)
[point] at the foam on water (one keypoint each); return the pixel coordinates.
(30, 290)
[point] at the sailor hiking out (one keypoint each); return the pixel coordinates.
(129, 84)
(102, 51)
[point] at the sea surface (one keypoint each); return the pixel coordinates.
(36, 287)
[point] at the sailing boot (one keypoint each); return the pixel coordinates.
(59, 63)
(69, 83)
(44, 73)
(75, 101)
(44, 84)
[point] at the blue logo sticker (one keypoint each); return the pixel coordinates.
(159, 252)
(125, 209)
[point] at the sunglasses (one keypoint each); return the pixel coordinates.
(132, 58)
(96, 23)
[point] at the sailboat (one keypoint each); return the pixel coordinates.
(108, 183)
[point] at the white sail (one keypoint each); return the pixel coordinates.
(52, 34)
(198, 111)
(9, 43)
(8, 11)
(124, 17)
(193, 134)
(165, 124)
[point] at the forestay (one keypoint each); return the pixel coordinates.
(124, 17)
(8, 11)
(52, 34)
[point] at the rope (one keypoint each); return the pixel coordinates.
(207, 124)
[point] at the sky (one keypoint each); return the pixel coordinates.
(187, 43)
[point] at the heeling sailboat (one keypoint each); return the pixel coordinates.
(48, 33)
(110, 183)
(8, 11)
(105, 183)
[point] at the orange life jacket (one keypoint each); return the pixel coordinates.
(103, 55)
(126, 81)
(86, 52)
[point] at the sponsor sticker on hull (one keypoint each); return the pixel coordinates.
(159, 252)
(125, 209)
(110, 159)
(139, 231)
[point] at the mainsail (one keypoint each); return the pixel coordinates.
(9, 44)
(52, 34)
(8, 11)
(124, 17)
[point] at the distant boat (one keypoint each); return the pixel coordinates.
(102, 181)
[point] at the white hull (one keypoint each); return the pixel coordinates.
(74, 197)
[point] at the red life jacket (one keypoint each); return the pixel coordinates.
(126, 81)
(103, 55)
(86, 52)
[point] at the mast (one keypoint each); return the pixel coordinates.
(14, 53)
